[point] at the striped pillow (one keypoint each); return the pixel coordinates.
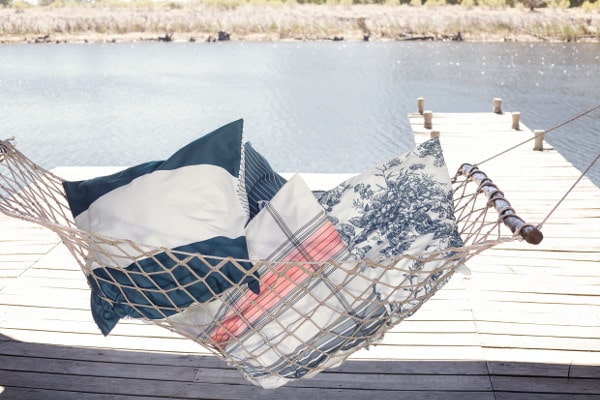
(309, 315)
(262, 182)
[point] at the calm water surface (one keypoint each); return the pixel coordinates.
(309, 107)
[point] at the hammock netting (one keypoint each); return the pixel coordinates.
(308, 314)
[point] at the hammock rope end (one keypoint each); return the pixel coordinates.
(531, 234)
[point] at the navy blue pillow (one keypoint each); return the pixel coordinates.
(193, 202)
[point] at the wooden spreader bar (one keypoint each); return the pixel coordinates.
(496, 198)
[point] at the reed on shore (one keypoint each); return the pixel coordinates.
(278, 21)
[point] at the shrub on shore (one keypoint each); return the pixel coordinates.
(114, 20)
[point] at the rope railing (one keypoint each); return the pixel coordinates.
(558, 126)
(566, 194)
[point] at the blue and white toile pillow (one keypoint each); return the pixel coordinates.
(193, 202)
(401, 206)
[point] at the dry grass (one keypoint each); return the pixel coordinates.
(291, 21)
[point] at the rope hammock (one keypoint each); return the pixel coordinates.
(274, 317)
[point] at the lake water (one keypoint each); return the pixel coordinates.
(308, 107)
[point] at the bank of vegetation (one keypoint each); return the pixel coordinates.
(260, 20)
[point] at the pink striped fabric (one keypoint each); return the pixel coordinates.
(323, 243)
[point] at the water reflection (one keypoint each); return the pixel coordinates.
(313, 107)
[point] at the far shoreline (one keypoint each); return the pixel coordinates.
(276, 22)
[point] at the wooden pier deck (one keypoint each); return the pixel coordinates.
(524, 325)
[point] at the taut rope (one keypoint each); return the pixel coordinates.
(548, 131)
(568, 121)
(539, 226)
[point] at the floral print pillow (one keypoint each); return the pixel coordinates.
(381, 212)
(402, 206)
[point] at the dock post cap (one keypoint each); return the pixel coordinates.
(421, 105)
(539, 139)
(516, 120)
(427, 119)
(498, 105)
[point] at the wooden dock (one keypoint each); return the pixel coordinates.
(524, 325)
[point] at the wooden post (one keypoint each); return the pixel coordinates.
(498, 105)
(421, 105)
(516, 119)
(435, 134)
(427, 119)
(539, 140)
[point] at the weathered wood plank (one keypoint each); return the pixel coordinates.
(432, 334)
(212, 375)
(84, 385)
(111, 356)
(388, 380)
(531, 384)
(547, 370)
(541, 356)
(18, 393)
(167, 344)
(544, 396)
(525, 317)
(87, 369)
(537, 330)
(541, 342)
